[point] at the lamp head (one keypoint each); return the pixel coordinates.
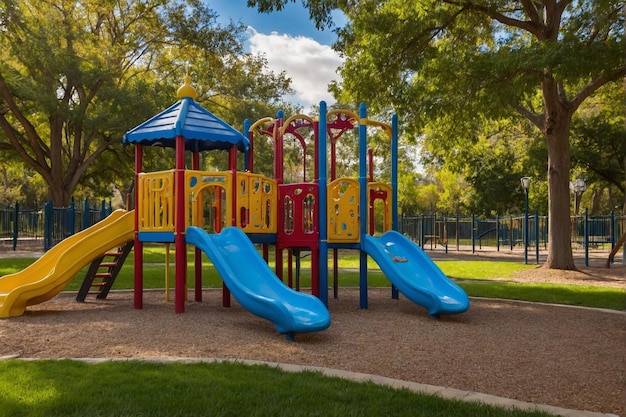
(579, 185)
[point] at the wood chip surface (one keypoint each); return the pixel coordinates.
(561, 356)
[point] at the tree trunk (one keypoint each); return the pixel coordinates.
(559, 226)
(58, 194)
(596, 200)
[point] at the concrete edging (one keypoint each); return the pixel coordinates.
(443, 392)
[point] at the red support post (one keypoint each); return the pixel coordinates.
(179, 227)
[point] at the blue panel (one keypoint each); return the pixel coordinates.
(161, 237)
(262, 237)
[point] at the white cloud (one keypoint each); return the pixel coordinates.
(310, 65)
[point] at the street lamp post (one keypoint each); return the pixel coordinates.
(525, 185)
(578, 187)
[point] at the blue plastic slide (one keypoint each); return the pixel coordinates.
(255, 286)
(415, 274)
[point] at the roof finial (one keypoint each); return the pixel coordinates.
(186, 90)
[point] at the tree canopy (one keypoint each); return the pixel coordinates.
(452, 68)
(74, 76)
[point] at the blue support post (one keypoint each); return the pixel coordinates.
(246, 153)
(363, 204)
(394, 185)
(394, 172)
(323, 206)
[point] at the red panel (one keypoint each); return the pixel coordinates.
(298, 218)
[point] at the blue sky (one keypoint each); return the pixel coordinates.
(292, 20)
(291, 43)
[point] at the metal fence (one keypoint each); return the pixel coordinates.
(41, 229)
(598, 233)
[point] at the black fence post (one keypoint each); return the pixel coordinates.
(472, 233)
(48, 220)
(422, 232)
(16, 225)
(458, 215)
(497, 232)
(537, 235)
(613, 235)
(511, 232)
(72, 218)
(586, 236)
(86, 221)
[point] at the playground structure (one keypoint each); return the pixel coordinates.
(223, 213)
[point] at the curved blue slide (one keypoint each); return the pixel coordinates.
(255, 286)
(415, 274)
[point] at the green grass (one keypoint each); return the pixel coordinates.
(12, 265)
(575, 295)
(481, 270)
(133, 388)
(68, 388)
(464, 271)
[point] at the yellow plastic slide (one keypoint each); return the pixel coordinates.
(51, 273)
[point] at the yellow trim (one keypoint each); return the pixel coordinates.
(260, 122)
(384, 126)
(295, 117)
(354, 116)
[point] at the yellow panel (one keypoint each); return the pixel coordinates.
(343, 210)
(259, 196)
(156, 203)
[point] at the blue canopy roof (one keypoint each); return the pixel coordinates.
(201, 129)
